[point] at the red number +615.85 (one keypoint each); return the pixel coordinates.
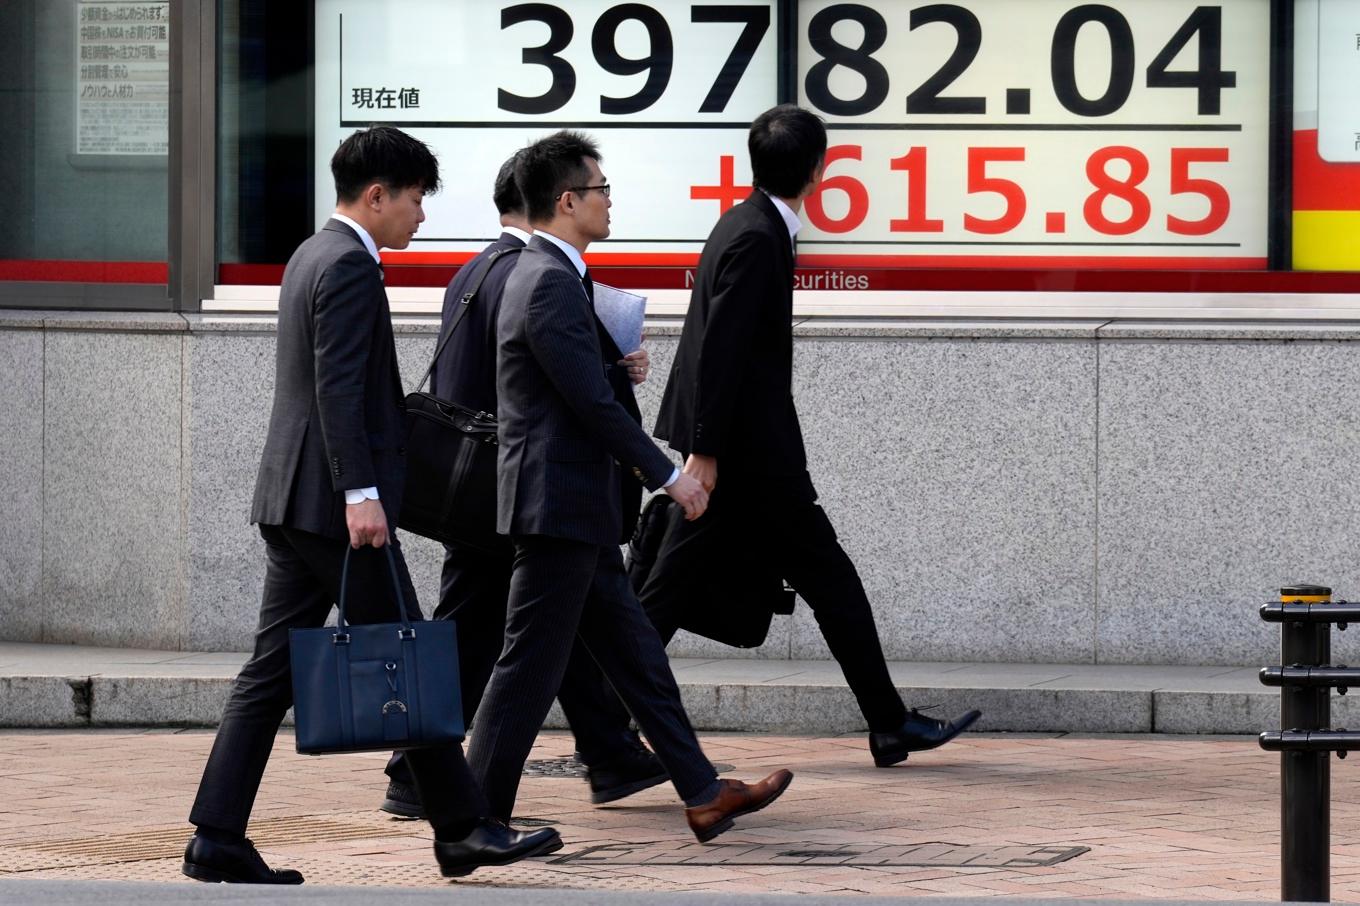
(1104, 185)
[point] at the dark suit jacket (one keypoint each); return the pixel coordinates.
(563, 430)
(730, 390)
(337, 420)
(466, 370)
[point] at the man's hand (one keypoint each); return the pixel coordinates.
(367, 524)
(690, 495)
(638, 364)
(703, 469)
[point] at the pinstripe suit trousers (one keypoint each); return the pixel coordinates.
(559, 589)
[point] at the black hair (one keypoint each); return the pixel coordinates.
(506, 193)
(550, 166)
(787, 143)
(386, 155)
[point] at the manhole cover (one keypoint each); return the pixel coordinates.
(919, 855)
(569, 766)
(531, 822)
(566, 766)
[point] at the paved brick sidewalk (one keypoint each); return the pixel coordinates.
(1117, 817)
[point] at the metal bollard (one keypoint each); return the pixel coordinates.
(1305, 776)
(1305, 743)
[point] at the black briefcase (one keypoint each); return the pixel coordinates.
(731, 600)
(451, 452)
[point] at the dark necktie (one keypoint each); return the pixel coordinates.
(589, 284)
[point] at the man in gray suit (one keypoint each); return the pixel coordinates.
(329, 490)
(565, 435)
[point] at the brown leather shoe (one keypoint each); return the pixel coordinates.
(735, 799)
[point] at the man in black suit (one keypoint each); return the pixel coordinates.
(330, 485)
(566, 436)
(729, 402)
(475, 584)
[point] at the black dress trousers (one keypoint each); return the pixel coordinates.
(302, 580)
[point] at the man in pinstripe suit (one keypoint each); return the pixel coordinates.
(475, 584)
(565, 434)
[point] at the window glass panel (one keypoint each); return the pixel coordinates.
(264, 136)
(84, 96)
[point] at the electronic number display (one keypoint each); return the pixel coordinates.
(982, 133)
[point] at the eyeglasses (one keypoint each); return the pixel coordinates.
(604, 190)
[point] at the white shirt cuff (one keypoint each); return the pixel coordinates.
(675, 473)
(360, 495)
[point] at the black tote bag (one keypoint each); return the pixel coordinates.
(375, 686)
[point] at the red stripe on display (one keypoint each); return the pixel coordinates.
(84, 271)
(593, 259)
(407, 258)
(1056, 262)
(1075, 281)
(1318, 184)
(851, 279)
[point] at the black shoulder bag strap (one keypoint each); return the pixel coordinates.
(463, 305)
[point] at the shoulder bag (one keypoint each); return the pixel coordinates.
(450, 493)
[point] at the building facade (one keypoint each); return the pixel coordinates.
(1076, 352)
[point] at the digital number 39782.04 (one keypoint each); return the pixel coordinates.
(1132, 216)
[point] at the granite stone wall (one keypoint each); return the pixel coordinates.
(1047, 492)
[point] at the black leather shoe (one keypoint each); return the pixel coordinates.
(631, 773)
(402, 801)
(232, 863)
(917, 734)
(492, 842)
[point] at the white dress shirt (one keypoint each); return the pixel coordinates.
(366, 239)
(790, 216)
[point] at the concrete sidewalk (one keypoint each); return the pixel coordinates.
(989, 816)
(74, 686)
(126, 893)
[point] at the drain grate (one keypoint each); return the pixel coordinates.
(168, 843)
(864, 855)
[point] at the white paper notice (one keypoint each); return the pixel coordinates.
(621, 314)
(123, 77)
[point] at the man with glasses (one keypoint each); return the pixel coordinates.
(475, 584)
(568, 431)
